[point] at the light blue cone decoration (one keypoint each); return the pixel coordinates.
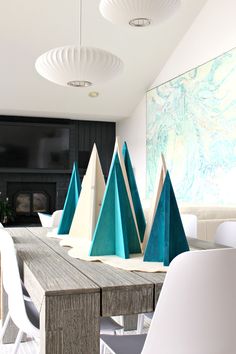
(167, 238)
(115, 232)
(134, 192)
(71, 201)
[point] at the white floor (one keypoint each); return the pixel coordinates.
(31, 347)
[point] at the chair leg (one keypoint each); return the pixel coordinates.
(121, 321)
(17, 342)
(37, 341)
(140, 323)
(102, 347)
(4, 327)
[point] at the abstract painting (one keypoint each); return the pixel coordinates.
(192, 121)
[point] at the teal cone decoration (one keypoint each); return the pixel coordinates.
(167, 238)
(134, 192)
(115, 232)
(71, 201)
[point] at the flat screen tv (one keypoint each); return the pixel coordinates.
(26, 146)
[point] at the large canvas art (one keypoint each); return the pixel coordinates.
(192, 121)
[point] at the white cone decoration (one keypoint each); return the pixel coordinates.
(88, 207)
(78, 67)
(139, 13)
(161, 174)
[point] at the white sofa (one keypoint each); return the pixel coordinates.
(209, 218)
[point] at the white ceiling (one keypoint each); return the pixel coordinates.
(29, 28)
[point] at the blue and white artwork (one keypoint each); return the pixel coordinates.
(192, 121)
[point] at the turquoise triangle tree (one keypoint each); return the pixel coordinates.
(167, 238)
(134, 192)
(71, 201)
(115, 232)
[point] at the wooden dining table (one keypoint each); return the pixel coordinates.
(72, 295)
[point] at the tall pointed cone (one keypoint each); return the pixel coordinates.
(167, 238)
(71, 201)
(115, 233)
(118, 151)
(153, 207)
(90, 201)
(134, 192)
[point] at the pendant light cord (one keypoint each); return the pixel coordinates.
(80, 30)
(80, 23)
(78, 27)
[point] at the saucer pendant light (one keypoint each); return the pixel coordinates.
(78, 66)
(138, 13)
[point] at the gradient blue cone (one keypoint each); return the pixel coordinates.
(71, 201)
(115, 232)
(167, 238)
(134, 192)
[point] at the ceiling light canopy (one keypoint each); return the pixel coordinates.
(93, 94)
(78, 66)
(138, 13)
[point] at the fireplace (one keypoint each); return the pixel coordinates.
(31, 202)
(29, 198)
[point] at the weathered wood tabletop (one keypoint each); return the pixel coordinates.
(71, 294)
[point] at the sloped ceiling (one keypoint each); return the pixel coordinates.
(29, 28)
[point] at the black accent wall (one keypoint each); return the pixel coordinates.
(83, 134)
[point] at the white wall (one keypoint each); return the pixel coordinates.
(133, 131)
(212, 33)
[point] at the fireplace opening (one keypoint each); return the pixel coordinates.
(27, 199)
(31, 202)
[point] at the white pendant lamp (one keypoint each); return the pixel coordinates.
(138, 13)
(78, 66)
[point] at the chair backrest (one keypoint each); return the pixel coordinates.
(45, 219)
(56, 218)
(196, 310)
(12, 283)
(226, 234)
(1, 226)
(190, 224)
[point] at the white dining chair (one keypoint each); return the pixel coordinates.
(196, 310)
(226, 234)
(141, 319)
(56, 218)
(48, 220)
(45, 219)
(21, 309)
(189, 222)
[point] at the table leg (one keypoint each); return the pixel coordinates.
(69, 324)
(130, 322)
